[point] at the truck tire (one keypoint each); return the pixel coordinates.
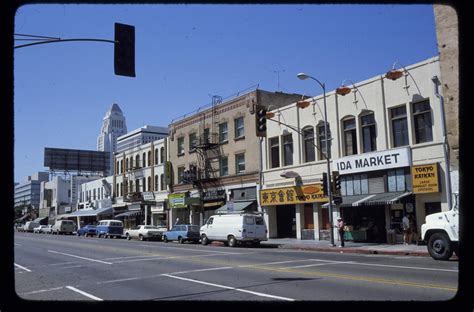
(439, 246)
(232, 241)
(204, 239)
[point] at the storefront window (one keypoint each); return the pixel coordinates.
(396, 180)
(356, 184)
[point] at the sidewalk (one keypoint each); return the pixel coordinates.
(350, 247)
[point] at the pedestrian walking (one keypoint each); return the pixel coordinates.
(340, 229)
(406, 230)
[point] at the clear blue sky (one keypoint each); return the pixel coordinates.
(187, 53)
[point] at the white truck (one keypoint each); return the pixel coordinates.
(441, 233)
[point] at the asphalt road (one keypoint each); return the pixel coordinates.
(50, 267)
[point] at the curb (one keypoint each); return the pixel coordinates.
(359, 251)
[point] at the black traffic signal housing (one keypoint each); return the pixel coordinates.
(337, 200)
(261, 121)
(124, 50)
(336, 183)
(325, 183)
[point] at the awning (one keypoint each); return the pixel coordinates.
(372, 199)
(91, 212)
(238, 206)
(39, 219)
(386, 198)
(129, 213)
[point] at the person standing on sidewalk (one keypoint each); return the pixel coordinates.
(340, 229)
(406, 230)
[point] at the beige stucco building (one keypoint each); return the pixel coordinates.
(386, 142)
(215, 157)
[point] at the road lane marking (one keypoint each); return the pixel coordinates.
(84, 293)
(165, 258)
(79, 257)
(316, 264)
(22, 267)
(120, 280)
(41, 291)
(200, 250)
(278, 262)
(201, 270)
(71, 267)
(401, 267)
(230, 288)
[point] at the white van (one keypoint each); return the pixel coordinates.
(234, 228)
(63, 227)
(30, 225)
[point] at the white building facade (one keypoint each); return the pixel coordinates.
(139, 189)
(387, 144)
(113, 126)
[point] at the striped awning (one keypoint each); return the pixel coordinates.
(372, 199)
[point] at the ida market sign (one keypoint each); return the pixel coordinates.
(388, 159)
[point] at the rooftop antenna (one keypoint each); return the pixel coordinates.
(278, 75)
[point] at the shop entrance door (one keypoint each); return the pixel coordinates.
(286, 221)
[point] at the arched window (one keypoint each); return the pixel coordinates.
(349, 136)
(121, 166)
(308, 144)
(144, 160)
(126, 164)
(131, 186)
(121, 189)
(322, 141)
(137, 185)
(162, 155)
(156, 156)
(149, 158)
(367, 124)
(162, 182)
(137, 161)
(156, 182)
(149, 184)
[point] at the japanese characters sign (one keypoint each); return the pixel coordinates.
(293, 195)
(425, 179)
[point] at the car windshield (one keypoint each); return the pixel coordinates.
(193, 228)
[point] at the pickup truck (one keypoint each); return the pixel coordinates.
(144, 232)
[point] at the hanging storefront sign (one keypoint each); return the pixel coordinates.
(148, 195)
(425, 179)
(213, 195)
(177, 200)
(395, 158)
(159, 208)
(293, 195)
(168, 173)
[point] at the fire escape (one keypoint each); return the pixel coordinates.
(205, 175)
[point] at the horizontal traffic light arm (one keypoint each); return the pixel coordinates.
(64, 40)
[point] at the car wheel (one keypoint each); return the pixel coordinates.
(141, 237)
(106, 235)
(204, 240)
(232, 241)
(78, 234)
(439, 246)
(180, 240)
(165, 239)
(86, 234)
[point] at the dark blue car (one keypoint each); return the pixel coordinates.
(182, 233)
(88, 230)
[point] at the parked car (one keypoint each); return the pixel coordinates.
(110, 228)
(234, 228)
(144, 232)
(30, 225)
(182, 233)
(48, 229)
(87, 230)
(63, 227)
(39, 229)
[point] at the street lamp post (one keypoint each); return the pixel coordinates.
(303, 76)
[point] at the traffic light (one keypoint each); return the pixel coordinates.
(336, 182)
(124, 50)
(325, 183)
(261, 121)
(337, 200)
